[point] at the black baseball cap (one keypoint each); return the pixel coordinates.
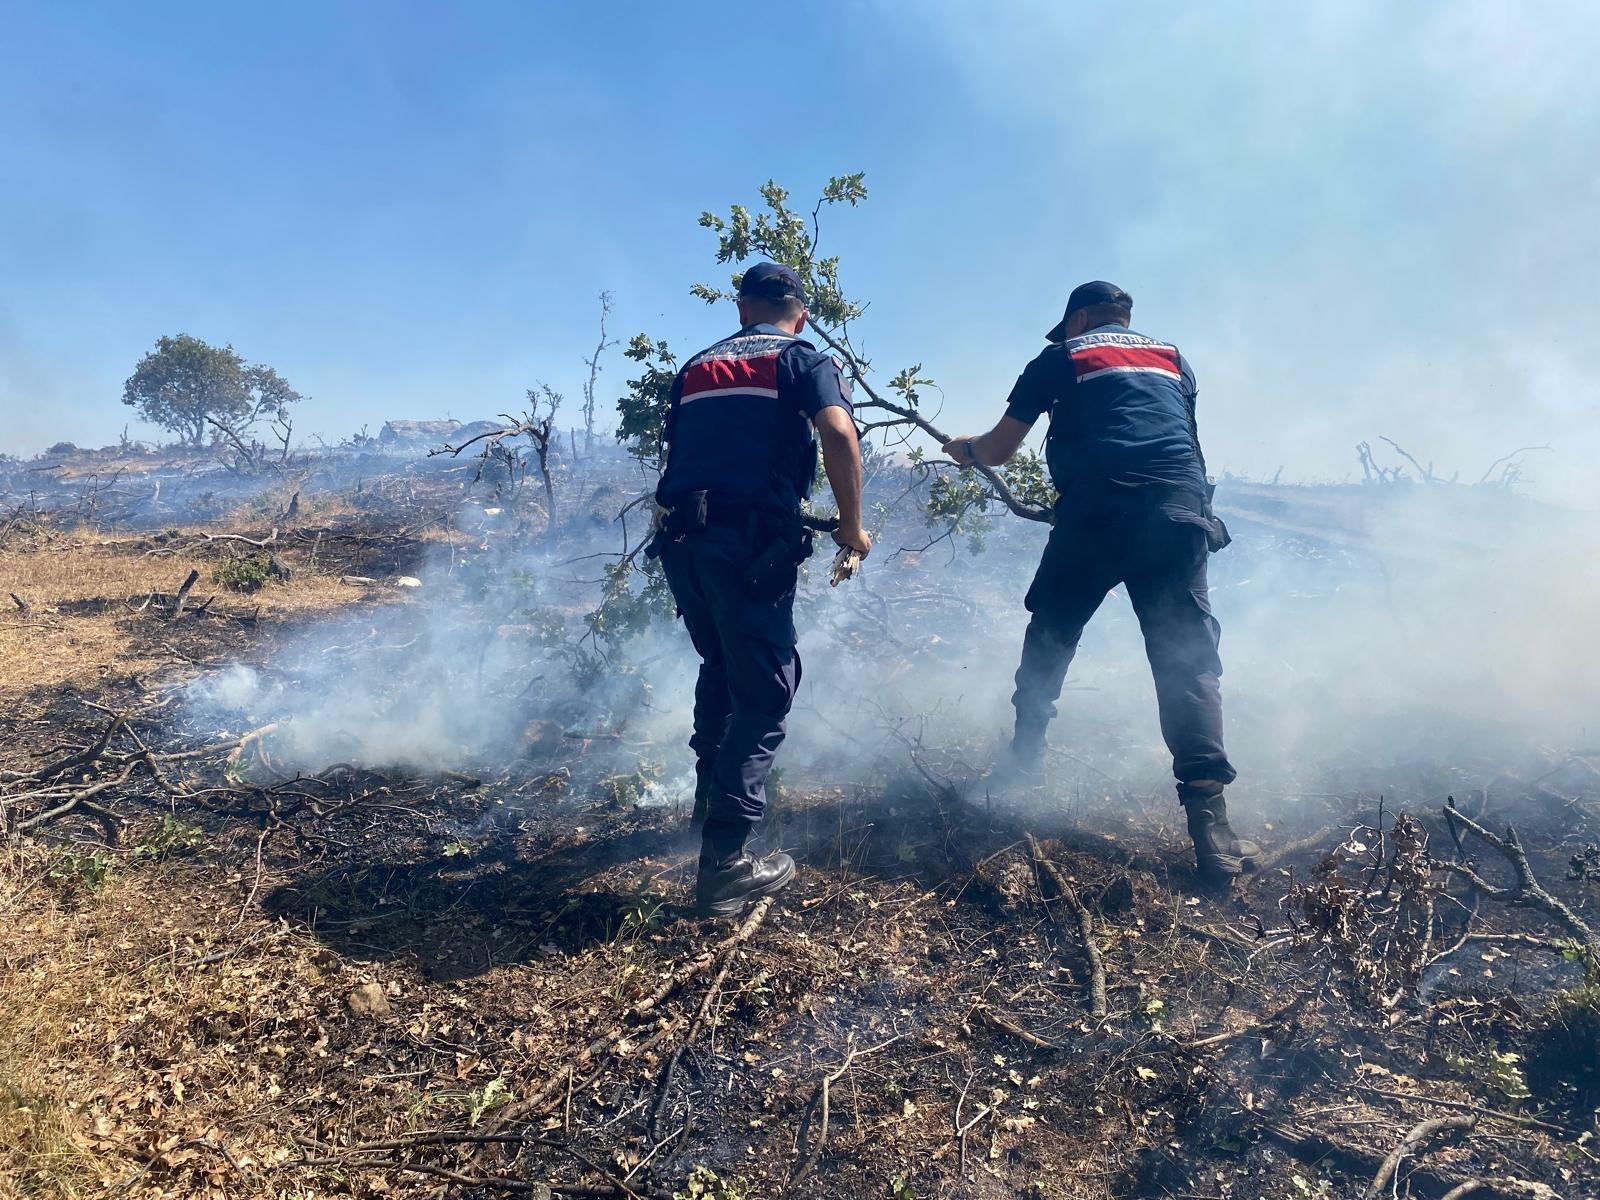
(772, 281)
(1087, 295)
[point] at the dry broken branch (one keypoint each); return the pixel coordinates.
(1528, 892)
(810, 1150)
(1418, 1136)
(1272, 1020)
(1517, 1189)
(1097, 968)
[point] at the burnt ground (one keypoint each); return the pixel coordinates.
(222, 977)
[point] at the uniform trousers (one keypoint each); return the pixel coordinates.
(1159, 552)
(749, 671)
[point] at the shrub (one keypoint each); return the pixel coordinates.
(78, 874)
(247, 574)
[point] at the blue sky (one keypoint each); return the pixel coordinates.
(1357, 218)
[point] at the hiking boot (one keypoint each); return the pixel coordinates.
(1027, 746)
(1219, 853)
(731, 880)
(1021, 764)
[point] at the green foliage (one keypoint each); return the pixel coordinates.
(782, 235)
(705, 1184)
(908, 385)
(1501, 1071)
(900, 1188)
(643, 411)
(776, 231)
(960, 502)
(76, 873)
(1029, 479)
(547, 624)
(631, 788)
(624, 610)
(185, 385)
(172, 837)
(646, 914)
(248, 573)
(492, 1095)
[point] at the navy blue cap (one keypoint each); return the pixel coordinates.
(772, 281)
(1087, 295)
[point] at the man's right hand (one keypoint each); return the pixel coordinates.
(959, 451)
(856, 538)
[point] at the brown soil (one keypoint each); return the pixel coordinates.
(382, 985)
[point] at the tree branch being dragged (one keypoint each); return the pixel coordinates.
(782, 235)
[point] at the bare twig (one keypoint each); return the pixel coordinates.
(1097, 968)
(1021, 508)
(1418, 1136)
(1006, 1025)
(553, 1088)
(1461, 1106)
(1273, 1019)
(810, 1150)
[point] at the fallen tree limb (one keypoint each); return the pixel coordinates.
(1461, 1106)
(1317, 1149)
(1416, 1137)
(1097, 968)
(1006, 1025)
(669, 1069)
(903, 413)
(1528, 892)
(1517, 1189)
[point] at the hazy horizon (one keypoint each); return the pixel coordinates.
(1357, 221)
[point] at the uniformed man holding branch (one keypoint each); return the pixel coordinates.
(743, 426)
(1135, 508)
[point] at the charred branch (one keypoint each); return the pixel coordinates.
(1527, 892)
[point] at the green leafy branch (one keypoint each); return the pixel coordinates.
(781, 234)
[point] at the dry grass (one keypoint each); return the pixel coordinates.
(81, 593)
(123, 1066)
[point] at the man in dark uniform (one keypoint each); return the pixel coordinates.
(1134, 508)
(743, 424)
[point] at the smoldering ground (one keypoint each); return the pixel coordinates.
(1402, 638)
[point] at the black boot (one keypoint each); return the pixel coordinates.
(1219, 853)
(730, 878)
(1022, 763)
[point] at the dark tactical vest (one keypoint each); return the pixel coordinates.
(1127, 419)
(728, 431)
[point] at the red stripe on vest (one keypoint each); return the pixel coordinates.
(1087, 359)
(720, 374)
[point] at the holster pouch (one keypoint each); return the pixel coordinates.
(1217, 535)
(687, 517)
(773, 572)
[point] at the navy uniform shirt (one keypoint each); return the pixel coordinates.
(1121, 409)
(740, 421)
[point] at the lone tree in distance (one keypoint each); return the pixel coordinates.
(186, 385)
